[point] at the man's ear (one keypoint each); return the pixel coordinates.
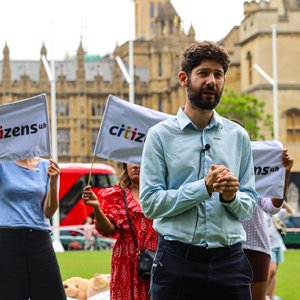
(182, 77)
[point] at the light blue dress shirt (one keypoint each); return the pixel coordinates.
(172, 186)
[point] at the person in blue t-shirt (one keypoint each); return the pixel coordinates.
(28, 198)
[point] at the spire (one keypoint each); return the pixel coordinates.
(43, 50)
(43, 74)
(80, 66)
(192, 33)
(167, 21)
(5, 50)
(6, 71)
(167, 11)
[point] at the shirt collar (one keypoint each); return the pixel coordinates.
(185, 121)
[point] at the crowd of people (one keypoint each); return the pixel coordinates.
(191, 201)
(212, 239)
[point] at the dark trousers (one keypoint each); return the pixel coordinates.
(28, 266)
(185, 272)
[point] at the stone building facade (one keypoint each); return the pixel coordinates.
(84, 83)
(252, 43)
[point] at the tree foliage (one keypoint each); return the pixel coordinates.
(248, 110)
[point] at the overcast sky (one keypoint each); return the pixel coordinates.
(26, 24)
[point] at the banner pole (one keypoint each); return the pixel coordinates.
(49, 193)
(91, 170)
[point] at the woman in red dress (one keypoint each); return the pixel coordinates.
(111, 220)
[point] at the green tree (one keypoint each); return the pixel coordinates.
(248, 110)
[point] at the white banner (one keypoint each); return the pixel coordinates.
(24, 129)
(269, 172)
(125, 125)
(123, 130)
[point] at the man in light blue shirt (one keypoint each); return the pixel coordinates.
(197, 183)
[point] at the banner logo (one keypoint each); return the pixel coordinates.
(20, 130)
(265, 170)
(24, 129)
(127, 134)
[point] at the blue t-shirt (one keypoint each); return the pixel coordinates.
(22, 194)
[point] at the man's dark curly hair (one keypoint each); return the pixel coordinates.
(194, 54)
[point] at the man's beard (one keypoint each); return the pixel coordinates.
(196, 96)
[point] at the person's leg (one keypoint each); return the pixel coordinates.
(231, 274)
(44, 275)
(166, 276)
(231, 293)
(259, 290)
(277, 256)
(175, 276)
(191, 272)
(13, 274)
(272, 281)
(260, 263)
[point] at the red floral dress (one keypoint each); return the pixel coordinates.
(125, 284)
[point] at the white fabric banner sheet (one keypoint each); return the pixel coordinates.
(123, 130)
(269, 172)
(24, 129)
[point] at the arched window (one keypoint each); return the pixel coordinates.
(160, 102)
(293, 125)
(93, 109)
(62, 107)
(249, 67)
(151, 10)
(96, 107)
(94, 138)
(63, 137)
(160, 65)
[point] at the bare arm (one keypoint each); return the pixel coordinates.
(102, 221)
(287, 162)
(288, 208)
(52, 200)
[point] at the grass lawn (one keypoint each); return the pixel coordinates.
(288, 276)
(86, 263)
(83, 263)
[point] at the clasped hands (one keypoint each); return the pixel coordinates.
(220, 179)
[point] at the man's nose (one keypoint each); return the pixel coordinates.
(211, 80)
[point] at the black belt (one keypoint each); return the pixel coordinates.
(198, 252)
